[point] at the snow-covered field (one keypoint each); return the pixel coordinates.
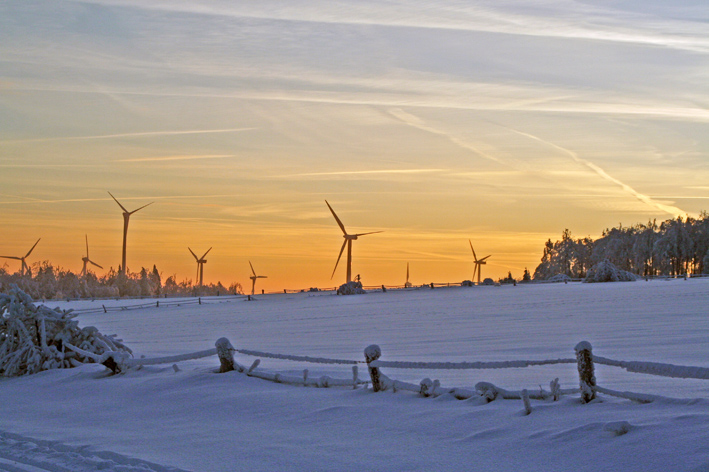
(162, 418)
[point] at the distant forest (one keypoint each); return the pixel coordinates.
(47, 282)
(672, 248)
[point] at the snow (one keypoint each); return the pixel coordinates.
(157, 417)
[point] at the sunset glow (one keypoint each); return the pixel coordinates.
(434, 122)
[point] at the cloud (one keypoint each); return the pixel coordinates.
(364, 172)
(130, 135)
(175, 158)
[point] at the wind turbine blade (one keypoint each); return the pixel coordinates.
(35, 245)
(338, 259)
(130, 213)
(371, 232)
(119, 203)
(262, 276)
(193, 254)
(471, 248)
(87, 245)
(205, 254)
(252, 269)
(342, 227)
(483, 259)
(96, 264)
(12, 257)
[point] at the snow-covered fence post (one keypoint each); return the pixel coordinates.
(525, 402)
(587, 379)
(355, 376)
(426, 387)
(371, 354)
(555, 389)
(225, 351)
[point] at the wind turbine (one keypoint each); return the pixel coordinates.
(24, 266)
(348, 242)
(407, 284)
(254, 277)
(200, 264)
(87, 260)
(478, 262)
(126, 218)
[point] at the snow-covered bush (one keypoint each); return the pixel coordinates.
(466, 283)
(351, 288)
(488, 281)
(605, 271)
(559, 278)
(34, 338)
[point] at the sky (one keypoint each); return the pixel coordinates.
(498, 122)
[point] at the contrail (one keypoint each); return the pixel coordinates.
(132, 135)
(672, 210)
(416, 122)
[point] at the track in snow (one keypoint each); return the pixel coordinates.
(22, 454)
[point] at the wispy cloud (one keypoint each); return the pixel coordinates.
(364, 172)
(672, 210)
(130, 135)
(576, 21)
(29, 200)
(175, 158)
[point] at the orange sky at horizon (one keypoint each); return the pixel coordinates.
(488, 121)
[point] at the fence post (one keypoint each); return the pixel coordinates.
(371, 354)
(587, 379)
(225, 351)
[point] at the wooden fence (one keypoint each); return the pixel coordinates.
(584, 360)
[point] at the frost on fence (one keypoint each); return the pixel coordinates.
(35, 338)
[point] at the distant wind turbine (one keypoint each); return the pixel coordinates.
(478, 262)
(407, 284)
(254, 277)
(126, 218)
(200, 264)
(87, 260)
(24, 267)
(348, 242)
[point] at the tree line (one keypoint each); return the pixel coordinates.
(44, 281)
(674, 247)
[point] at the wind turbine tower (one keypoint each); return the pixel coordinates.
(478, 262)
(126, 219)
(348, 242)
(87, 260)
(24, 267)
(407, 284)
(200, 264)
(254, 277)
